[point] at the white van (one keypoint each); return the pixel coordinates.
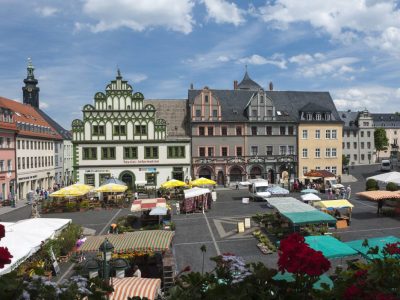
(258, 189)
(386, 165)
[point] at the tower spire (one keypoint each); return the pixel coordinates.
(30, 90)
(30, 69)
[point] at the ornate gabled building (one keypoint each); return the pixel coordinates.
(122, 135)
(239, 134)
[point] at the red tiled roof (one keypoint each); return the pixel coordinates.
(27, 114)
(8, 126)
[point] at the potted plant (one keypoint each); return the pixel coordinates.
(70, 206)
(84, 206)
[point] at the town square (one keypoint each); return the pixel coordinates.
(199, 149)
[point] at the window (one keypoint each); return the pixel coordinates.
(365, 123)
(368, 134)
(198, 113)
(328, 134)
(31, 162)
(318, 117)
(282, 130)
(31, 144)
(290, 130)
(348, 145)
(224, 151)
(254, 150)
(269, 150)
(362, 145)
(120, 129)
(328, 152)
(343, 145)
(98, 129)
(238, 130)
(334, 170)
(89, 153)
(176, 151)
(362, 133)
(19, 162)
(282, 150)
(9, 143)
(334, 134)
(39, 145)
(151, 152)
(368, 145)
(355, 145)
(210, 151)
(269, 130)
(309, 117)
(90, 179)
(103, 177)
(317, 153)
(130, 153)
(328, 168)
(1, 165)
(206, 98)
(19, 144)
(23, 144)
(27, 162)
(1, 142)
(151, 178)
(27, 144)
(239, 151)
(224, 130)
(215, 113)
(254, 113)
(305, 133)
(254, 130)
(305, 170)
(202, 130)
(35, 162)
(291, 150)
(348, 133)
(362, 157)
(305, 152)
(140, 129)
(210, 131)
(202, 151)
(107, 152)
(23, 163)
(333, 152)
(317, 168)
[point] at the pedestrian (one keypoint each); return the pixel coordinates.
(348, 192)
(380, 205)
(137, 273)
(337, 194)
(46, 194)
(330, 195)
(237, 185)
(136, 195)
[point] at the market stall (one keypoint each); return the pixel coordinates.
(202, 182)
(196, 199)
(310, 197)
(380, 242)
(299, 213)
(113, 194)
(135, 287)
(147, 204)
(335, 208)
(330, 246)
(387, 177)
(379, 195)
(277, 190)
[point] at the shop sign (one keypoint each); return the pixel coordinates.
(150, 170)
(141, 161)
(97, 171)
(27, 177)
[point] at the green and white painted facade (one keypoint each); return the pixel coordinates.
(126, 137)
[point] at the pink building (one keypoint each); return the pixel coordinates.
(8, 131)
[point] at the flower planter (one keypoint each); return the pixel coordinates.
(264, 249)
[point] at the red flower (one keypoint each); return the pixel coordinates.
(352, 292)
(360, 273)
(5, 257)
(2, 231)
(393, 248)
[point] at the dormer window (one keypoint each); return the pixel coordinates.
(254, 113)
(198, 113)
(327, 117)
(309, 117)
(318, 117)
(261, 99)
(206, 98)
(215, 113)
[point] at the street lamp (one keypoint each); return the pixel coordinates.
(106, 249)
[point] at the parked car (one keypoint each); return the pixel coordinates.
(386, 165)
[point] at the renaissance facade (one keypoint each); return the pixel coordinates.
(124, 136)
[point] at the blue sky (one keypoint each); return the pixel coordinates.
(350, 48)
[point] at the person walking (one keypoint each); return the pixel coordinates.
(237, 185)
(136, 196)
(380, 205)
(348, 192)
(337, 192)
(330, 195)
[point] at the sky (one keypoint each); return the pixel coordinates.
(350, 48)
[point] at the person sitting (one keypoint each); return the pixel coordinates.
(137, 273)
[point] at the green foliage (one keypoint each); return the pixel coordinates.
(389, 212)
(391, 186)
(372, 185)
(84, 204)
(380, 139)
(68, 237)
(70, 206)
(264, 240)
(345, 160)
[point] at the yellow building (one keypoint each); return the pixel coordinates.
(319, 140)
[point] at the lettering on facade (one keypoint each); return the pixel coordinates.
(27, 177)
(141, 161)
(97, 171)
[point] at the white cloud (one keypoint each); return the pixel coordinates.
(388, 41)
(374, 98)
(137, 77)
(46, 11)
(43, 105)
(139, 15)
(223, 58)
(302, 59)
(344, 20)
(222, 11)
(255, 59)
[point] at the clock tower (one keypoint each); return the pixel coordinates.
(30, 90)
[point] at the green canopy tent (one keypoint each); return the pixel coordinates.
(379, 242)
(288, 277)
(330, 246)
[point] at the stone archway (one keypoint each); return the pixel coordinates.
(129, 178)
(255, 172)
(235, 174)
(205, 172)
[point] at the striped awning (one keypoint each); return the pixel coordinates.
(133, 286)
(146, 240)
(148, 204)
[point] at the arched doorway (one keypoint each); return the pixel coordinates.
(220, 178)
(235, 174)
(271, 176)
(205, 172)
(129, 178)
(255, 172)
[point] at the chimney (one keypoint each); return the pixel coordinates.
(235, 84)
(271, 86)
(191, 86)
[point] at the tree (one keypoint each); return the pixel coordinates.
(381, 140)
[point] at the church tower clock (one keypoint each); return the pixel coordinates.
(30, 90)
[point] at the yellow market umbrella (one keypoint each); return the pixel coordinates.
(112, 188)
(173, 183)
(74, 190)
(202, 181)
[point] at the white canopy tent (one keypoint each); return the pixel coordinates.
(25, 237)
(387, 177)
(196, 191)
(310, 197)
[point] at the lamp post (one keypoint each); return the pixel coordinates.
(106, 249)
